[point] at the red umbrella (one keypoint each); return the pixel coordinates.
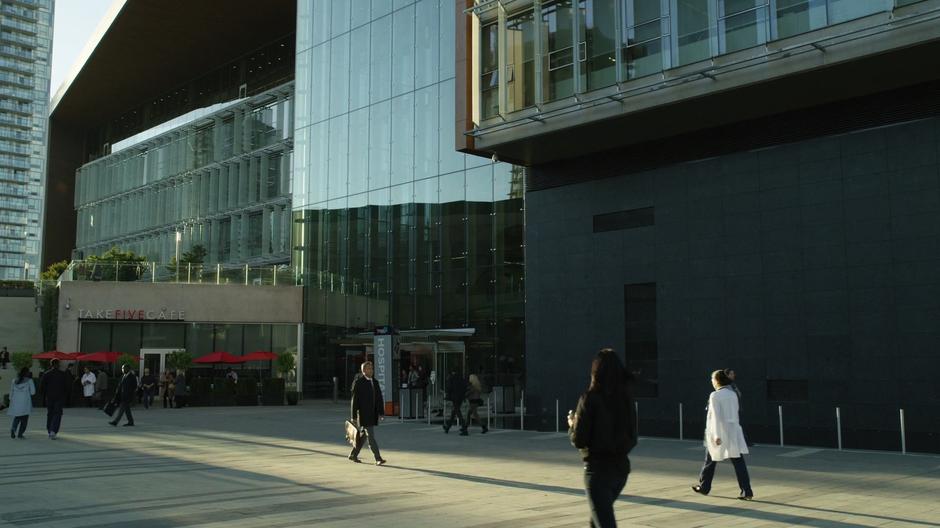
(55, 354)
(218, 357)
(102, 357)
(259, 355)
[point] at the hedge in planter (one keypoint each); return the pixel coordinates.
(199, 392)
(246, 392)
(272, 391)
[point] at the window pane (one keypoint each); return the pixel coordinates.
(799, 16)
(199, 339)
(162, 335)
(842, 10)
(598, 33)
(403, 43)
(558, 50)
(745, 26)
(489, 66)
(692, 31)
(520, 61)
(228, 338)
(125, 337)
(359, 68)
(96, 337)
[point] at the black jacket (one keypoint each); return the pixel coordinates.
(54, 386)
(456, 389)
(367, 403)
(605, 429)
(127, 388)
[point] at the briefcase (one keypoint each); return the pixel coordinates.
(352, 432)
(110, 407)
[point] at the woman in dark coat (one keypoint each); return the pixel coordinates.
(604, 429)
(368, 407)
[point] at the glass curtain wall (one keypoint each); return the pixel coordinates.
(25, 53)
(392, 225)
(197, 338)
(583, 45)
(221, 180)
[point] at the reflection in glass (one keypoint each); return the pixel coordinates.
(745, 24)
(558, 53)
(692, 31)
(642, 51)
(598, 67)
(489, 66)
(520, 61)
(799, 16)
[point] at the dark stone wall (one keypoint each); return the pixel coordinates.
(817, 260)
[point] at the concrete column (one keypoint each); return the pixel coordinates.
(285, 187)
(214, 190)
(266, 231)
(234, 227)
(243, 182)
(232, 182)
(254, 165)
(246, 130)
(243, 233)
(237, 129)
(217, 139)
(263, 176)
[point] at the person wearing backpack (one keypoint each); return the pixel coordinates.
(603, 428)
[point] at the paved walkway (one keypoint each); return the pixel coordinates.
(286, 466)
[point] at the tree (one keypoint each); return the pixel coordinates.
(179, 360)
(131, 361)
(195, 255)
(54, 270)
(127, 264)
(21, 360)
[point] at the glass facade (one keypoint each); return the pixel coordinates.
(219, 177)
(198, 339)
(583, 45)
(25, 62)
(392, 226)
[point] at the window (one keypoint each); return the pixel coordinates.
(489, 65)
(641, 344)
(520, 61)
(558, 52)
(630, 219)
(692, 31)
(598, 25)
(643, 38)
(743, 24)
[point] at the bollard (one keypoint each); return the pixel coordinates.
(636, 414)
(522, 411)
(218, 273)
(487, 412)
(335, 388)
(903, 440)
(839, 428)
(556, 417)
(681, 437)
(780, 420)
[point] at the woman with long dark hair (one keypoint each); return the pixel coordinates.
(604, 429)
(21, 401)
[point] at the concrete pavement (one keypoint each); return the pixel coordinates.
(287, 466)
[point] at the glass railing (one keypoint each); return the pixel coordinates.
(184, 273)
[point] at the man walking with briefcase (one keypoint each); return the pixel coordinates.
(368, 407)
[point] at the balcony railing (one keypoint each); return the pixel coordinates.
(184, 273)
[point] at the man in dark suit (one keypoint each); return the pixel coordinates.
(368, 407)
(124, 395)
(54, 387)
(456, 392)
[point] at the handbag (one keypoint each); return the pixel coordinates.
(352, 432)
(110, 407)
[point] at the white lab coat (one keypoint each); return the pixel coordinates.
(722, 422)
(88, 384)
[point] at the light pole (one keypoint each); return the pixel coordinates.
(179, 237)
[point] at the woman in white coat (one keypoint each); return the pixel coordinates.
(88, 386)
(724, 438)
(21, 402)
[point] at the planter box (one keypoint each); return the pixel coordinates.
(272, 391)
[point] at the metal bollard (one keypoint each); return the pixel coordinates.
(681, 437)
(903, 439)
(636, 413)
(556, 417)
(780, 419)
(839, 428)
(522, 412)
(335, 388)
(488, 412)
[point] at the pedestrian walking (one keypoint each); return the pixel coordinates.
(21, 402)
(168, 388)
(366, 408)
(456, 391)
(148, 385)
(101, 387)
(603, 428)
(180, 391)
(4, 358)
(88, 386)
(124, 396)
(723, 438)
(54, 387)
(474, 400)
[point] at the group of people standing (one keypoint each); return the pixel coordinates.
(603, 428)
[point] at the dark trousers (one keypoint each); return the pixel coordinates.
(148, 398)
(180, 401)
(373, 445)
(740, 470)
(124, 408)
(21, 421)
(455, 413)
(54, 416)
(603, 485)
(473, 413)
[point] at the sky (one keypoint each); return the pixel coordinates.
(75, 22)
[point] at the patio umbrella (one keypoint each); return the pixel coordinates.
(55, 354)
(260, 355)
(219, 357)
(101, 357)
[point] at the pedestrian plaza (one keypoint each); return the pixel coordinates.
(287, 466)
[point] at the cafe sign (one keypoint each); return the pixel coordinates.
(133, 314)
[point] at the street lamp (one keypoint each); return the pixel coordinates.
(179, 237)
